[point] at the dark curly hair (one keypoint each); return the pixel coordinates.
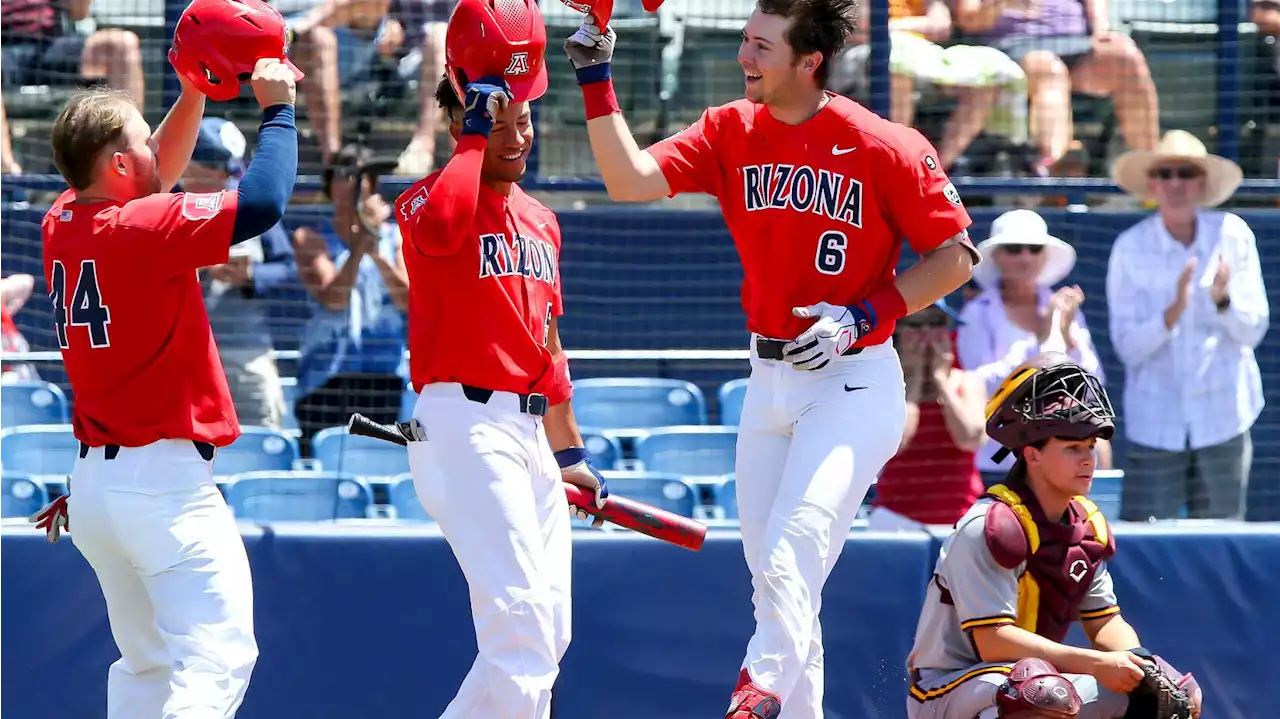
(820, 26)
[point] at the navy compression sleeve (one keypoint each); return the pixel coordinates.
(267, 185)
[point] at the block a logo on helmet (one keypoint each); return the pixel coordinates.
(497, 38)
(216, 44)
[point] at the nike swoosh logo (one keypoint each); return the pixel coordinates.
(847, 388)
(837, 150)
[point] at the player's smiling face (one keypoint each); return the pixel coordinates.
(509, 142)
(771, 69)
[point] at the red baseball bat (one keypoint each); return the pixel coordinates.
(628, 513)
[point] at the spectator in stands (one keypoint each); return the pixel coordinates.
(933, 479)
(15, 290)
(1019, 315)
(1188, 307)
(8, 161)
(1067, 46)
(353, 267)
(234, 292)
(408, 34)
(39, 46)
(1266, 15)
(990, 88)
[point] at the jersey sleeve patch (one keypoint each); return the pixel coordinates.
(199, 206)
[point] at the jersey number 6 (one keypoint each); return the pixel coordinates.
(85, 309)
(831, 252)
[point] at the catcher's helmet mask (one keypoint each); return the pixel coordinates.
(1046, 400)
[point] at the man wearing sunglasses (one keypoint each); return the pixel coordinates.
(1187, 308)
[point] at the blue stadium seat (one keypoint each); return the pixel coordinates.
(23, 496)
(637, 403)
(32, 402)
(1105, 492)
(404, 498)
(356, 454)
(726, 497)
(731, 395)
(298, 496)
(605, 450)
(259, 449)
(39, 449)
(664, 491)
(707, 450)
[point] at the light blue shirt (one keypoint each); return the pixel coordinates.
(368, 335)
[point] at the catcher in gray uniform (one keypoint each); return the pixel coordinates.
(1024, 563)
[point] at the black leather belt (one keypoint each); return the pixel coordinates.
(110, 451)
(768, 349)
(534, 404)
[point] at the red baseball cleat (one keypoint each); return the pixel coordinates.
(751, 702)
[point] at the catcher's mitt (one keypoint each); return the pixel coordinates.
(1163, 693)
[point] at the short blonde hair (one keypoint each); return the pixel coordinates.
(91, 121)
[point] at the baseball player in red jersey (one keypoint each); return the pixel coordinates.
(818, 193)
(485, 357)
(151, 398)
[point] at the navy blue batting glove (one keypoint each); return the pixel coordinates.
(577, 469)
(485, 98)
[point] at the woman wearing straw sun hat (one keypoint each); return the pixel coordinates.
(1187, 309)
(1018, 315)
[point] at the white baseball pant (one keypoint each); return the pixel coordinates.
(486, 474)
(174, 573)
(810, 443)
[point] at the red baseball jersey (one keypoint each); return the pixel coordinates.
(481, 316)
(129, 316)
(817, 210)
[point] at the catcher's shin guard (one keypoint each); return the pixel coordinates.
(1036, 688)
(751, 702)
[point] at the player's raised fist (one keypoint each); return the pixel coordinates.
(273, 83)
(486, 99)
(590, 46)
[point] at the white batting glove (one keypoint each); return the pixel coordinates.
(833, 335)
(52, 518)
(590, 46)
(576, 468)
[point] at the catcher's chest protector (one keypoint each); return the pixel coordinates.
(1061, 556)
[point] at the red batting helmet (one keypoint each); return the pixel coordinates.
(497, 37)
(217, 43)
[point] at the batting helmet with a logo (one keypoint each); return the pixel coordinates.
(505, 38)
(217, 43)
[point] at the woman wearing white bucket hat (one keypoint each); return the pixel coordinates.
(1018, 315)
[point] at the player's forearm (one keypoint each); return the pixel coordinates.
(438, 228)
(629, 173)
(176, 137)
(936, 275)
(267, 185)
(1116, 635)
(1007, 643)
(562, 427)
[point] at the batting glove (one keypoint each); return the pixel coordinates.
(576, 468)
(52, 518)
(485, 98)
(591, 51)
(834, 334)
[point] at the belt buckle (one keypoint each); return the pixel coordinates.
(773, 346)
(537, 404)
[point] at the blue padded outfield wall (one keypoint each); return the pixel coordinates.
(355, 622)
(654, 279)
